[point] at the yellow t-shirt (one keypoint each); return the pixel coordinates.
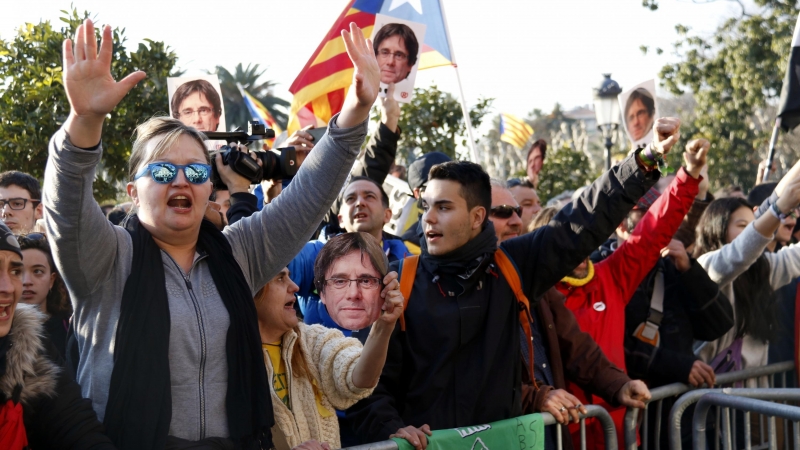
(280, 382)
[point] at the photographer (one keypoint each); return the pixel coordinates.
(375, 163)
(166, 327)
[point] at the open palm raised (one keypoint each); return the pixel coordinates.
(91, 90)
(367, 76)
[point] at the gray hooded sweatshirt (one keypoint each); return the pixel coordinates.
(94, 258)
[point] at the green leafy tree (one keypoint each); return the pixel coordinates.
(544, 125)
(249, 78)
(564, 169)
(434, 121)
(505, 161)
(33, 103)
(548, 126)
(735, 77)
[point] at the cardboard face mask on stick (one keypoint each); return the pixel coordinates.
(197, 102)
(398, 48)
(352, 293)
(639, 112)
(348, 274)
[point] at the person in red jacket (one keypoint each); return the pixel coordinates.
(597, 294)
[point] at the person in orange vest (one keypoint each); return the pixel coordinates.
(456, 358)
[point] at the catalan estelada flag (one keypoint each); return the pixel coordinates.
(514, 130)
(260, 112)
(320, 89)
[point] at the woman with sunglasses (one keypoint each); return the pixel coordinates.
(731, 245)
(164, 317)
(43, 287)
(316, 370)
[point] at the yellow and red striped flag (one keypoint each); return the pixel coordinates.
(514, 130)
(320, 88)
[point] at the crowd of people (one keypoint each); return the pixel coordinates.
(285, 315)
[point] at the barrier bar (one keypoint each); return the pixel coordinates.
(595, 411)
(741, 403)
(691, 398)
(675, 389)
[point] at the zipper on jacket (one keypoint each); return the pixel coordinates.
(202, 331)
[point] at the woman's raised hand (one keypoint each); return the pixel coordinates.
(367, 75)
(791, 176)
(788, 191)
(789, 198)
(91, 90)
(366, 78)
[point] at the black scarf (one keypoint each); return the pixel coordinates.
(464, 265)
(139, 409)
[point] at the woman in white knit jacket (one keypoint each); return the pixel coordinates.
(315, 370)
(730, 246)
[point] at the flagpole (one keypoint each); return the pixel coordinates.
(464, 108)
(771, 154)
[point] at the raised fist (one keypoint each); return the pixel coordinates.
(666, 133)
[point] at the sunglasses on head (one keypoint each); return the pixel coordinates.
(164, 172)
(505, 211)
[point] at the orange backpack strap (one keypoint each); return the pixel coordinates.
(510, 273)
(408, 272)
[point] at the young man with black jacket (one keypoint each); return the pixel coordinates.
(458, 361)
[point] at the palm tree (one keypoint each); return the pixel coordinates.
(235, 110)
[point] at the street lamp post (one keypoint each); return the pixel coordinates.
(606, 109)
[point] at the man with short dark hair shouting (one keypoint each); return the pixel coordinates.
(457, 361)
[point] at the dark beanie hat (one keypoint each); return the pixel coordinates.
(8, 241)
(419, 169)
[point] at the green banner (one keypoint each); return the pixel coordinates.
(523, 433)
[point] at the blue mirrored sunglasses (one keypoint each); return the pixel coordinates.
(164, 172)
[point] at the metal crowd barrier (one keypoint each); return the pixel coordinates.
(693, 397)
(591, 411)
(673, 390)
(748, 405)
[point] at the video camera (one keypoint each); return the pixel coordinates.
(279, 164)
